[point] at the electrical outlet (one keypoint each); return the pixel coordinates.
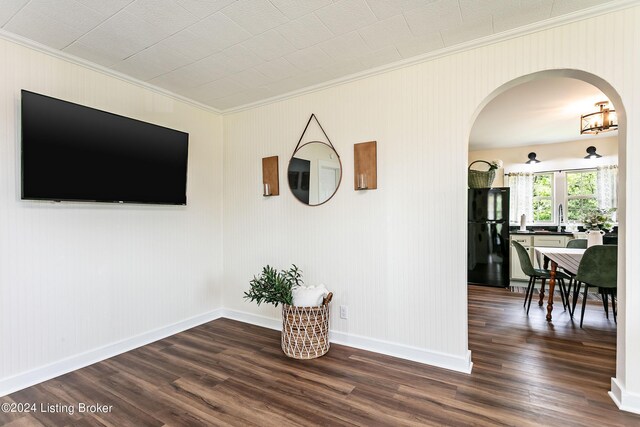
(344, 312)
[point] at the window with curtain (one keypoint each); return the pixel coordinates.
(581, 194)
(607, 187)
(543, 195)
(537, 195)
(521, 196)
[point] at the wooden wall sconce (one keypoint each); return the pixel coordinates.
(365, 166)
(270, 182)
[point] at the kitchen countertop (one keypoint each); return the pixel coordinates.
(543, 233)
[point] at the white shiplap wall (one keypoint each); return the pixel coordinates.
(74, 277)
(397, 255)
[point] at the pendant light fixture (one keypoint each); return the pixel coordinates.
(532, 158)
(591, 153)
(604, 120)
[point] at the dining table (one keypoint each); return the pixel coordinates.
(566, 258)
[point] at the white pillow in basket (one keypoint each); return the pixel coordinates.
(309, 296)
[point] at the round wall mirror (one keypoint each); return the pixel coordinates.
(314, 173)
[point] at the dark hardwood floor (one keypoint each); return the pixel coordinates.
(526, 372)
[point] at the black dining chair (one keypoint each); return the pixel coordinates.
(577, 243)
(538, 273)
(599, 269)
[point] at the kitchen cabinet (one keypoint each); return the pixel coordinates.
(554, 241)
(550, 241)
(527, 242)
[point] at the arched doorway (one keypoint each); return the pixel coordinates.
(615, 98)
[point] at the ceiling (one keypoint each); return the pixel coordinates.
(227, 53)
(542, 111)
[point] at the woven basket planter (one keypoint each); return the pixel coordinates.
(305, 331)
(481, 179)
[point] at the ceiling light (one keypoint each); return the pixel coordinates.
(591, 153)
(601, 121)
(532, 158)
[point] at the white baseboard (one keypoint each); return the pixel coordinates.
(55, 369)
(254, 319)
(441, 360)
(625, 401)
(402, 351)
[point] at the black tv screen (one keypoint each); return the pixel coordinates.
(76, 153)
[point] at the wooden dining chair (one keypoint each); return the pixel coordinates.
(538, 273)
(599, 269)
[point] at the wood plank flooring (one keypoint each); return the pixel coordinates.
(526, 372)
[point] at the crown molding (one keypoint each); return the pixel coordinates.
(22, 41)
(535, 27)
(580, 15)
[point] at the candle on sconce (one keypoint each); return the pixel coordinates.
(362, 181)
(267, 190)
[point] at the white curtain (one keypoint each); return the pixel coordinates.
(521, 186)
(607, 187)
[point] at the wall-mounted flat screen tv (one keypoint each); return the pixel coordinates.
(75, 153)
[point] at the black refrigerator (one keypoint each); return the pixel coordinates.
(488, 246)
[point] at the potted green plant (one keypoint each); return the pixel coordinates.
(273, 286)
(305, 330)
(597, 221)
